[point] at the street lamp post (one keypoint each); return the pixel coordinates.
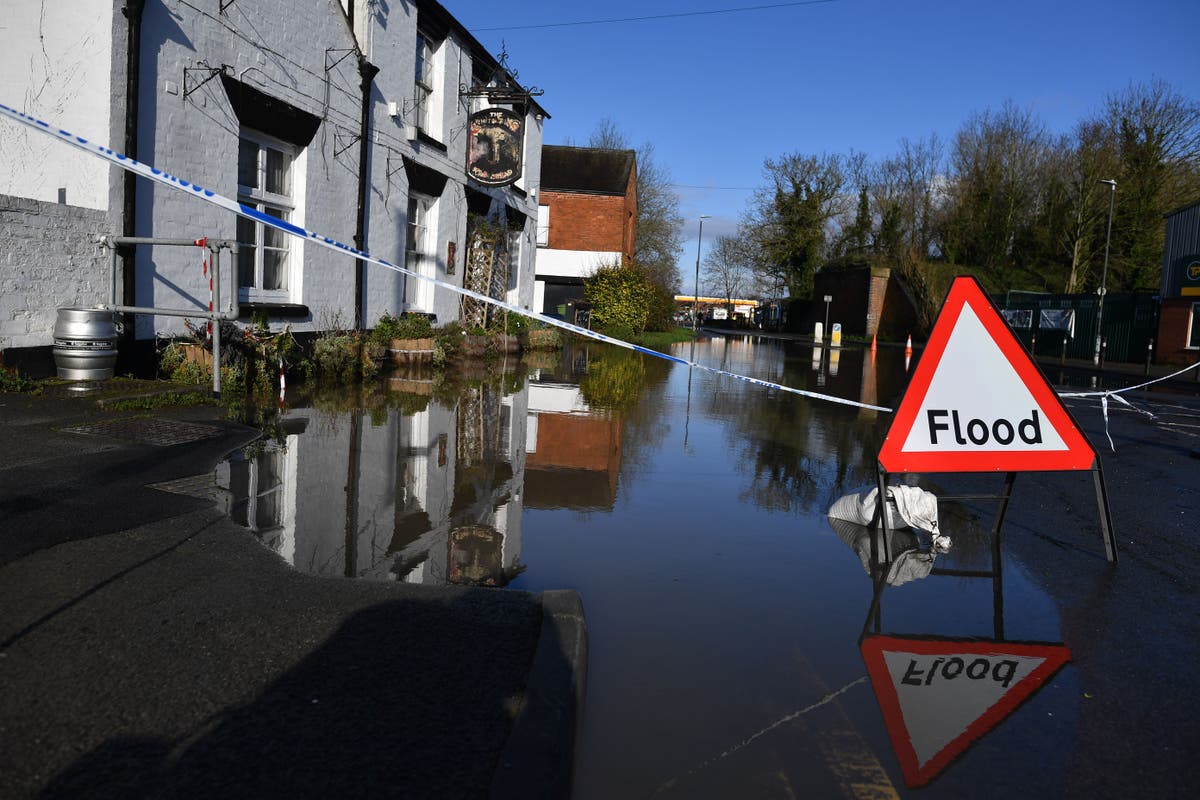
(1112, 185)
(696, 286)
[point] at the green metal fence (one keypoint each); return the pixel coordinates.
(1130, 324)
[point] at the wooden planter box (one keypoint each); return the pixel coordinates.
(481, 346)
(196, 354)
(407, 351)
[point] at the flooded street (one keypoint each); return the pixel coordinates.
(732, 625)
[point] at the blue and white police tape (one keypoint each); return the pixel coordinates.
(166, 179)
(1116, 395)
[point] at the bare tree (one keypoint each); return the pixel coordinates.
(996, 166)
(659, 237)
(1069, 232)
(728, 269)
(1157, 135)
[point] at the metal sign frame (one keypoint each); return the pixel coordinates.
(1079, 456)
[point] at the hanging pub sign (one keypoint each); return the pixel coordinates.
(494, 148)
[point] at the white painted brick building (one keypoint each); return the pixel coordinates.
(260, 100)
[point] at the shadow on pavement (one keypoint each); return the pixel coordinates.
(372, 712)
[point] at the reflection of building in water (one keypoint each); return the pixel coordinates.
(426, 497)
(260, 491)
(572, 454)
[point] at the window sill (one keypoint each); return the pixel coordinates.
(425, 138)
(248, 309)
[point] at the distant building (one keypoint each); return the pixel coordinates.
(348, 118)
(587, 218)
(1179, 290)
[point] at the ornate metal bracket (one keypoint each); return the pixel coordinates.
(346, 139)
(210, 73)
(502, 86)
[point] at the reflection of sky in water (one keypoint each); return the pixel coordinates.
(719, 599)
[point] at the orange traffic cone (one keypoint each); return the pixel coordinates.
(908, 346)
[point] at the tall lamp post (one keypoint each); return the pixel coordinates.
(1112, 186)
(696, 286)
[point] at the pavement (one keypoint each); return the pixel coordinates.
(150, 647)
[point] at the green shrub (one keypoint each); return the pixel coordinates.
(510, 323)
(406, 326)
(250, 357)
(343, 357)
(447, 342)
(621, 297)
(11, 380)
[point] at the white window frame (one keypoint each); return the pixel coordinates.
(543, 226)
(285, 205)
(1193, 329)
(425, 83)
(420, 254)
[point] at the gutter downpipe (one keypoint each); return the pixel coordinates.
(367, 71)
(133, 65)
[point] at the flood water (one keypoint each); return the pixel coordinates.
(726, 614)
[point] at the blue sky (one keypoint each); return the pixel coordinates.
(719, 93)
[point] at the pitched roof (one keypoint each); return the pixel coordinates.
(586, 169)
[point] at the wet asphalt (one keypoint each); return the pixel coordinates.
(1133, 627)
(149, 647)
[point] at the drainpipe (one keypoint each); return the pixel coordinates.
(367, 71)
(133, 65)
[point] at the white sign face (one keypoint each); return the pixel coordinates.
(941, 696)
(938, 696)
(977, 402)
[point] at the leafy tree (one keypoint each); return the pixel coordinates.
(792, 218)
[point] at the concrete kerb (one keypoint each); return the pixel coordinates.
(538, 758)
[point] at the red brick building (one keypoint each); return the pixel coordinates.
(587, 217)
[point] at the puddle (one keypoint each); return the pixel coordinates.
(740, 644)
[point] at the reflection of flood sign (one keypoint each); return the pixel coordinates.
(939, 696)
(978, 403)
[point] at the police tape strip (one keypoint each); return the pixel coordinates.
(1118, 392)
(1115, 394)
(166, 179)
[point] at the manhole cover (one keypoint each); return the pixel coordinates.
(160, 432)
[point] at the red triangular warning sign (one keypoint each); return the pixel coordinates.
(978, 403)
(938, 696)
